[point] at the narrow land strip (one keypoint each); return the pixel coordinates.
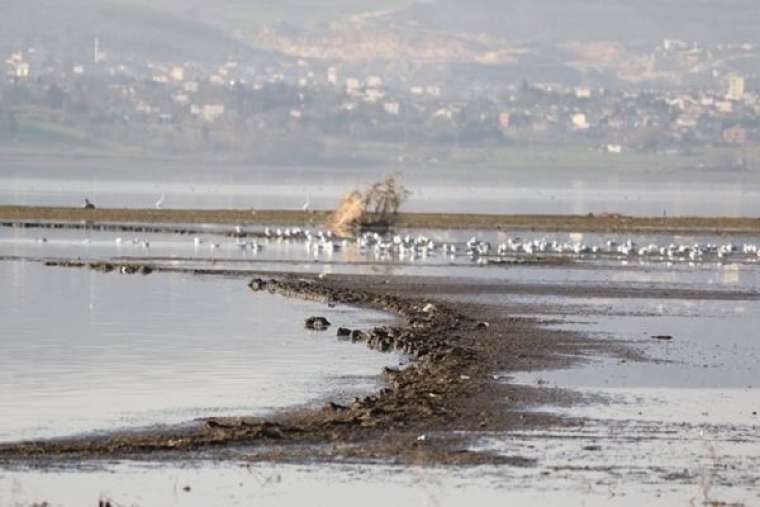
(569, 223)
(427, 413)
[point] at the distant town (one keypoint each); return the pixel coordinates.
(280, 107)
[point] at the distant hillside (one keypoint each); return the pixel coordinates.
(122, 25)
(243, 15)
(547, 21)
(184, 29)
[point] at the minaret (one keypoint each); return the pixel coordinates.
(97, 56)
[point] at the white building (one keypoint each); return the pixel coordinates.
(177, 73)
(392, 108)
(373, 95)
(332, 75)
(735, 85)
(211, 112)
(22, 69)
(446, 113)
(580, 121)
(17, 67)
(433, 90)
(352, 84)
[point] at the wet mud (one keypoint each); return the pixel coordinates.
(428, 412)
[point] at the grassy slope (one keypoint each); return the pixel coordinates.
(122, 25)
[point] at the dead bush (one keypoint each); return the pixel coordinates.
(375, 208)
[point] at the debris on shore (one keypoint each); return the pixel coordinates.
(317, 323)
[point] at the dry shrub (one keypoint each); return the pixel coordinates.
(348, 214)
(377, 207)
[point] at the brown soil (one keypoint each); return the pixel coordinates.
(573, 223)
(429, 411)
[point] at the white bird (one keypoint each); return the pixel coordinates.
(160, 201)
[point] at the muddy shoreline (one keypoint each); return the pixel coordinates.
(134, 219)
(429, 412)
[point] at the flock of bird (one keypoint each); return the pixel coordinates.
(422, 246)
(408, 246)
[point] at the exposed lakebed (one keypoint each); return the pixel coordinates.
(667, 425)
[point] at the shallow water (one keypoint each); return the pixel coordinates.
(690, 413)
(83, 351)
(669, 426)
(291, 188)
(371, 485)
(221, 252)
(714, 345)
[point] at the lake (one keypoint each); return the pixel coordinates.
(83, 351)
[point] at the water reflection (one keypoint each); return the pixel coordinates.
(85, 351)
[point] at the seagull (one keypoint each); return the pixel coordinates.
(160, 201)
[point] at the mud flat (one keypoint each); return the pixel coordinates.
(608, 222)
(428, 412)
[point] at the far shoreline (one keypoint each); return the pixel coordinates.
(606, 222)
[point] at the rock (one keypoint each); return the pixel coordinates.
(344, 332)
(390, 373)
(335, 407)
(662, 337)
(146, 270)
(257, 284)
(317, 323)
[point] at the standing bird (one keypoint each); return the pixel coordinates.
(88, 204)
